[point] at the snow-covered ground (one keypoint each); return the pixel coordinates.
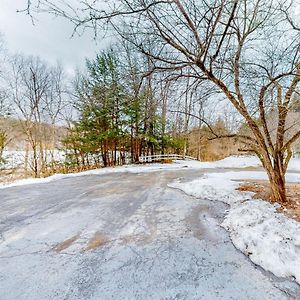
(104, 171)
(238, 162)
(270, 239)
(16, 158)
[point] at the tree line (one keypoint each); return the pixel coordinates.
(109, 114)
(193, 55)
(247, 50)
(120, 114)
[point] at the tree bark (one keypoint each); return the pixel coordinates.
(277, 181)
(278, 189)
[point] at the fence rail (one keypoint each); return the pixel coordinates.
(160, 157)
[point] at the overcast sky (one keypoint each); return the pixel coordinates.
(50, 38)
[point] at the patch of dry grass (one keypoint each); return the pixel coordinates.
(262, 190)
(10, 175)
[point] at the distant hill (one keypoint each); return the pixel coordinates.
(17, 138)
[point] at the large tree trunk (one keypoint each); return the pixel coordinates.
(278, 189)
(277, 182)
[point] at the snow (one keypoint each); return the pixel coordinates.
(211, 187)
(235, 161)
(270, 239)
(222, 186)
(245, 161)
(294, 164)
(16, 158)
(238, 162)
(102, 171)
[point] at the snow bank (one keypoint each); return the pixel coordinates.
(229, 162)
(222, 186)
(211, 187)
(246, 161)
(236, 161)
(270, 239)
(240, 161)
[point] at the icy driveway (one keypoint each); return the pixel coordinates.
(123, 236)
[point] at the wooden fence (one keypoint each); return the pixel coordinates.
(160, 157)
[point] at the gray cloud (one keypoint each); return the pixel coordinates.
(50, 37)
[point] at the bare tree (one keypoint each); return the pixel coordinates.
(55, 104)
(289, 9)
(249, 50)
(4, 105)
(35, 91)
